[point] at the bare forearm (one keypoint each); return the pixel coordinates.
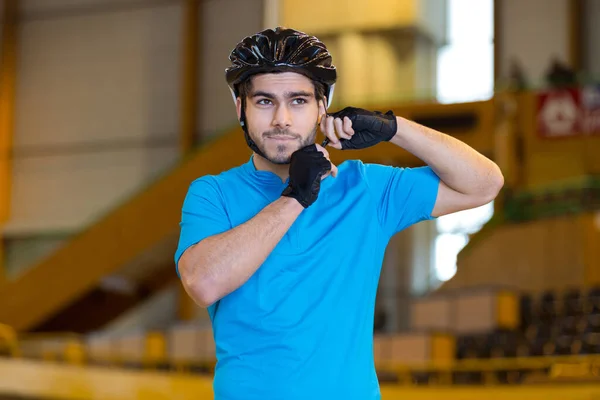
(220, 264)
(458, 165)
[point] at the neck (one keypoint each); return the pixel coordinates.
(262, 164)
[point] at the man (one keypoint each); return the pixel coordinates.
(285, 250)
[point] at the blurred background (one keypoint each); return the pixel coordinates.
(110, 108)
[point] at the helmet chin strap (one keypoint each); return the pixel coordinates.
(249, 140)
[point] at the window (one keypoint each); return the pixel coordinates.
(465, 69)
(465, 72)
(453, 235)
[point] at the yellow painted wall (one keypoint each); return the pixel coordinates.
(376, 68)
(353, 51)
(318, 16)
(507, 136)
(378, 61)
(554, 253)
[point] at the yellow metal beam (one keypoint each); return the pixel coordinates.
(189, 84)
(8, 70)
(189, 107)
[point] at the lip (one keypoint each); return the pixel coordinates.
(281, 138)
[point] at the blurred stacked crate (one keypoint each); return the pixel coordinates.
(551, 324)
(439, 325)
(566, 323)
(415, 351)
(183, 347)
(191, 347)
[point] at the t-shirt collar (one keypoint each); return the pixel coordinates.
(266, 177)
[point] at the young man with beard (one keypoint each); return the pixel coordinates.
(285, 250)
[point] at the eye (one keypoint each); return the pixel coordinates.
(299, 101)
(264, 102)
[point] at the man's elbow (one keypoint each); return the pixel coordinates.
(495, 185)
(202, 295)
(198, 289)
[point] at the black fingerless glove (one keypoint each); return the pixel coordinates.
(307, 167)
(370, 127)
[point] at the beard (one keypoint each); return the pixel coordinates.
(282, 152)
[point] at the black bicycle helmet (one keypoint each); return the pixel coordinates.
(281, 50)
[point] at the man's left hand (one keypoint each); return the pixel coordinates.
(355, 128)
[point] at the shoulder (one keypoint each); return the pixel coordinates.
(218, 180)
(213, 185)
(382, 174)
(353, 167)
(371, 170)
(360, 167)
(359, 171)
(365, 171)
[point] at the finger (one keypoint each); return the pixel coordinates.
(326, 168)
(332, 167)
(339, 129)
(323, 125)
(329, 130)
(334, 170)
(330, 133)
(348, 126)
(322, 150)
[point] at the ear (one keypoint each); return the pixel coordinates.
(238, 108)
(322, 108)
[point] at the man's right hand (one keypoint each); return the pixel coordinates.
(308, 166)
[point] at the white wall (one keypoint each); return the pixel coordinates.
(533, 31)
(224, 24)
(98, 101)
(591, 13)
(97, 108)
(61, 7)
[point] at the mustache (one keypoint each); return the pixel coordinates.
(279, 132)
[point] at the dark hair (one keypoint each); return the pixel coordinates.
(245, 88)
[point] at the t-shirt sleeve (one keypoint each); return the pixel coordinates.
(403, 196)
(203, 214)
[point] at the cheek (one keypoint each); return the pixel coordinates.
(258, 120)
(305, 118)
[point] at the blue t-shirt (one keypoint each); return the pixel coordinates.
(302, 326)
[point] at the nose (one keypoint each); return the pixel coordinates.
(282, 117)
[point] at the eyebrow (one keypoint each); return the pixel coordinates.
(288, 95)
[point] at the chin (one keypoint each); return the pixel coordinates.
(282, 154)
(280, 159)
